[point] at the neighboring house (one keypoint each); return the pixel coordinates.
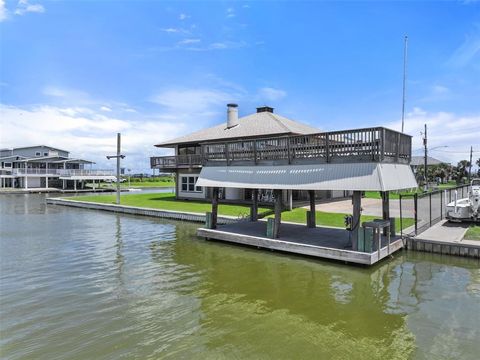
(187, 161)
(45, 167)
(420, 161)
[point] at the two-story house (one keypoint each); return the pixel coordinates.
(44, 166)
(263, 124)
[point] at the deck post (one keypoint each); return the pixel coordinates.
(357, 205)
(254, 207)
(46, 182)
(385, 195)
(25, 182)
(278, 212)
(75, 185)
(311, 219)
(214, 207)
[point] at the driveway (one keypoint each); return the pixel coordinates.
(370, 207)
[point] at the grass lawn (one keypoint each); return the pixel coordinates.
(136, 184)
(473, 233)
(299, 215)
(167, 202)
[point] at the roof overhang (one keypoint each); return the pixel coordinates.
(356, 176)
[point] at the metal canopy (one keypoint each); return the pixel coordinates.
(356, 176)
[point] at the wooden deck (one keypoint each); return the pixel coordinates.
(321, 242)
(376, 144)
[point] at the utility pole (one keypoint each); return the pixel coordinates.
(426, 158)
(404, 80)
(118, 157)
(470, 167)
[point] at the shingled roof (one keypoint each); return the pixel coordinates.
(255, 125)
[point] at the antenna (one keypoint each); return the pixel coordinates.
(404, 79)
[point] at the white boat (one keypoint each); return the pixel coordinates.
(466, 209)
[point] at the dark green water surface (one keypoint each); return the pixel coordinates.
(81, 284)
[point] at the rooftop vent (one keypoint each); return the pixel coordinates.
(264, 109)
(232, 115)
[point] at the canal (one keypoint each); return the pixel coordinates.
(80, 284)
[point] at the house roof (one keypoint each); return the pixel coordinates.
(420, 160)
(355, 176)
(33, 146)
(254, 125)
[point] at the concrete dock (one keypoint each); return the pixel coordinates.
(445, 238)
(321, 242)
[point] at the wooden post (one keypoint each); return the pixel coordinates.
(385, 207)
(278, 212)
(254, 207)
(214, 207)
(357, 204)
(311, 221)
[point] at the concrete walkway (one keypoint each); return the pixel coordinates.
(448, 232)
(371, 207)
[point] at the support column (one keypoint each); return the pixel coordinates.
(75, 185)
(64, 184)
(290, 199)
(25, 182)
(385, 207)
(311, 223)
(254, 207)
(214, 207)
(357, 206)
(46, 181)
(278, 213)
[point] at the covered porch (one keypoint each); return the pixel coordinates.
(360, 242)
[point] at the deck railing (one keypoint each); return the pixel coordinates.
(61, 172)
(375, 144)
(176, 161)
(358, 145)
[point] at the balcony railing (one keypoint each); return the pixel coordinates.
(178, 161)
(359, 145)
(61, 172)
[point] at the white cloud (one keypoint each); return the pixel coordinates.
(86, 133)
(230, 12)
(189, 41)
(3, 11)
(271, 94)
(458, 132)
(24, 7)
(440, 90)
(105, 108)
(468, 51)
(183, 16)
(194, 102)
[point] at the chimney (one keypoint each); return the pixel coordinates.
(264, 109)
(232, 115)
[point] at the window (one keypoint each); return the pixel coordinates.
(45, 154)
(188, 184)
(38, 153)
(7, 164)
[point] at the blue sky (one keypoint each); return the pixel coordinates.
(75, 73)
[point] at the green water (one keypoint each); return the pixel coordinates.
(79, 284)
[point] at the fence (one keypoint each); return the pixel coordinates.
(427, 209)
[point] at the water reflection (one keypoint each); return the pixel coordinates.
(83, 284)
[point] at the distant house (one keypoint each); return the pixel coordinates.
(263, 124)
(420, 161)
(44, 166)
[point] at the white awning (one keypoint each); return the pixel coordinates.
(356, 176)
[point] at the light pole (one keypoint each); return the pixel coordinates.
(118, 157)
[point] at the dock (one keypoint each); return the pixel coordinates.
(320, 242)
(445, 238)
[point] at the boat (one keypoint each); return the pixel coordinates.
(466, 209)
